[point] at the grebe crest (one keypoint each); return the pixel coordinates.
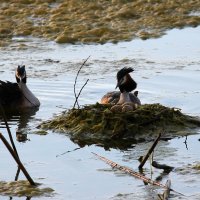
(124, 80)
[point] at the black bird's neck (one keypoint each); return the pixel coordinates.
(129, 85)
(23, 80)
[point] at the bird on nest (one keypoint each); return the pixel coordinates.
(17, 95)
(124, 99)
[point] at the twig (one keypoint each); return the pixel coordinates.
(185, 142)
(68, 152)
(166, 193)
(8, 129)
(76, 101)
(151, 161)
(17, 173)
(16, 158)
(11, 138)
(144, 159)
(76, 80)
(132, 173)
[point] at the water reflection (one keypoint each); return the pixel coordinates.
(20, 119)
(161, 78)
(16, 179)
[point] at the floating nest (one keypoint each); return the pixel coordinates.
(97, 124)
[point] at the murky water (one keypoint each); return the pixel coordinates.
(167, 71)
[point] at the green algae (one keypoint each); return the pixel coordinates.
(100, 21)
(97, 124)
(23, 188)
(191, 168)
(196, 167)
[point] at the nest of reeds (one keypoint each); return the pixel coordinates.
(97, 124)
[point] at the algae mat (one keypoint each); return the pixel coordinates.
(23, 188)
(100, 21)
(97, 124)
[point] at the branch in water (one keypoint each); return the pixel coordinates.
(76, 101)
(133, 173)
(11, 138)
(16, 158)
(76, 81)
(144, 159)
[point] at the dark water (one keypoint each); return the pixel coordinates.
(167, 71)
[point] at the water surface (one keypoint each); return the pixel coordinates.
(167, 71)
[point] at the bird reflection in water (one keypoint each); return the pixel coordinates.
(20, 119)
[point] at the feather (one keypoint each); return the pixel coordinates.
(10, 93)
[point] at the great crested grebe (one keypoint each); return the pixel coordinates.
(126, 85)
(17, 95)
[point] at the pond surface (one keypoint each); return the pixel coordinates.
(167, 72)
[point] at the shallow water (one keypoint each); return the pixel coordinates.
(167, 71)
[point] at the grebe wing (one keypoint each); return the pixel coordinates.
(110, 97)
(10, 93)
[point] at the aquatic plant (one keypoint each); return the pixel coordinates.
(97, 124)
(86, 21)
(23, 188)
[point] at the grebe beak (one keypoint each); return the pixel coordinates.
(121, 81)
(117, 86)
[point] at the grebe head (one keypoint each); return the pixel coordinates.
(20, 74)
(124, 80)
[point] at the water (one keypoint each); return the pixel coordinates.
(167, 71)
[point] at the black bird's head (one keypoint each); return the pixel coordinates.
(124, 80)
(20, 74)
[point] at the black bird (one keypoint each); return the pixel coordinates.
(124, 80)
(17, 95)
(126, 85)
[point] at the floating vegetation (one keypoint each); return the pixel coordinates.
(97, 124)
(193, 169)
(23, 188)
(88, 21)
(196, 167)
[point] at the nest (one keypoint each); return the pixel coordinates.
(97, 124)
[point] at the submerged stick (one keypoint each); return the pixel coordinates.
(144, 159)
(165, 195)
(167, 191)
(16, 158)
(76, 81)
(129, 171)
(133, 173)
(8, 129)
(17, 173)
(11, 138)
(68, 151)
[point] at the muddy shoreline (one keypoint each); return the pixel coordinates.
(87, 22)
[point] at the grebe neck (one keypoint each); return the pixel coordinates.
(29, 97)
(124, 97)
